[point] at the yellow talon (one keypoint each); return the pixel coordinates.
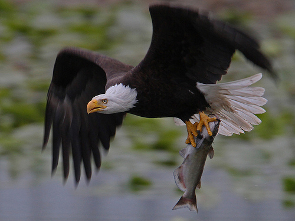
(204, 120)
(191, 133)
(193, 129)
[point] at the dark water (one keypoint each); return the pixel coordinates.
(48, 199)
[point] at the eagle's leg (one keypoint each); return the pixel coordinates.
(194, 129)
(191, 133)
(204, 121)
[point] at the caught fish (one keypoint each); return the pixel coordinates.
(188, 176)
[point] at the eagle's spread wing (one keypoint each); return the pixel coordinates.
(79, 75)
(189, 44)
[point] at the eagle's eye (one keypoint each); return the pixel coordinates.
(105, 101)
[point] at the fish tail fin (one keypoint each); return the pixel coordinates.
(191, 203)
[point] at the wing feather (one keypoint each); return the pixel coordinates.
(78, 76)
(75, 142)
(188, 44)
(56, 138)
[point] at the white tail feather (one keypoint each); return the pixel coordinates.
(234, 103)
(239, 83)
(178, 121)
(248, 107)
(259, 101)
(251, 118)
(247, 91)
(227, 128)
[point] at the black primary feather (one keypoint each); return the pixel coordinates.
(77, 77)
(188, 43)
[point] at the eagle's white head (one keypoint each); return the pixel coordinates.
(118, 98)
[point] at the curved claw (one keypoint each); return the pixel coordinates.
(204, 121)
(194, 129)
(191, 133)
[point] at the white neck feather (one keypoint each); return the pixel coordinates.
(120, 98)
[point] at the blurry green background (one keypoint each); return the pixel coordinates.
(251, 177)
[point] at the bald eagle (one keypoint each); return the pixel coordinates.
(189, 52)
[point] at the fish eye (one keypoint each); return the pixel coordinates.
(105, 101)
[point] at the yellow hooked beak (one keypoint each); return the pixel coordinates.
(94, 106)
